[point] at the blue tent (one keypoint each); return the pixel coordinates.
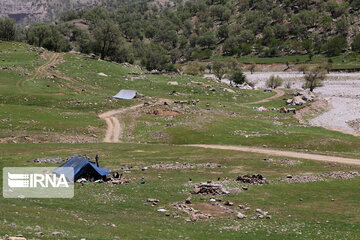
(81, 167)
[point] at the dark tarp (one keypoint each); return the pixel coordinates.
(81, 167)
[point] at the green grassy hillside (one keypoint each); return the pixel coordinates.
(49, 100)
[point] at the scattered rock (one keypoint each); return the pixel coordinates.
(194, 214)
(302, 179)
(256, 179)
(341, 175)
(241, 216)
(188, 200)
(174, 83)
(56, 233)
(178, 165)
(228, 203)
(102, 74)
(49, 160)
(209, 188)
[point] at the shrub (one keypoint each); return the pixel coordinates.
(238, 77)
(274, 82)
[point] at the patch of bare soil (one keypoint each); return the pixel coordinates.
(214, 209)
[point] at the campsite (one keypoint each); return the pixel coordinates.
(170, 156)
(276, 178)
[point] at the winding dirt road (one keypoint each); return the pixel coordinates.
(40, 71)
(114, 129)
(281, 153)
(278, 94)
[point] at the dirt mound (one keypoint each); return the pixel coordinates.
(209, 188)
(256, 179)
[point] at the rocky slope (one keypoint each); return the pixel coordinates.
(27, 11)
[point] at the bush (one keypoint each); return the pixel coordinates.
(355, 46)
(192, 69)
(274, 82)
(7, 29)
(335, 46)
(238, 77)
(202, 54)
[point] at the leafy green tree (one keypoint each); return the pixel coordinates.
(222, 32)
(355, 46)
(206, 40)
(219, 69)
(107, 37)
(342, 26)
(238, 77)
(7, 29)
(155, 57)
(38, 33)
(307, 45)
(335, 46)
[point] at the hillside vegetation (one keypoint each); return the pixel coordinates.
(157, 36)
(50, 103)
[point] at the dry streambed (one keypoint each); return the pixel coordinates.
(341, 90)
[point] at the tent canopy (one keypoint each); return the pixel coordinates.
(126, 94)
(82, 167)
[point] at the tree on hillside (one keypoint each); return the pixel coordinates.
(7, 29)
(355, 46)
(107, 37)
(335, 46)
(238, 77)
(38, 33)
(314, 78)
(155, 57)
(219, 69)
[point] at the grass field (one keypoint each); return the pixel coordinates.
(339, 62)
(95, 206)
(49, 100)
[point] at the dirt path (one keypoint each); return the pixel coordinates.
(41, 70)
(114, 129)
(278, 94)
(281, 153)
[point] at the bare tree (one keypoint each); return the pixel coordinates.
(252, 68)
(314, 78)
